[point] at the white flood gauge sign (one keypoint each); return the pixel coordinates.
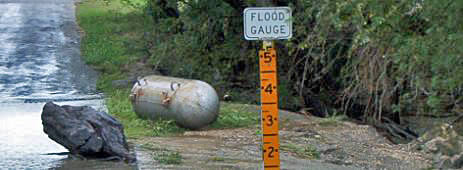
(267, 23)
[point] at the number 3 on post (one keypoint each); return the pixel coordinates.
(269, 106)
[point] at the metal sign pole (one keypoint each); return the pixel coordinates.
(269, 106)
(268, 24)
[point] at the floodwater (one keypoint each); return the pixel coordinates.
(39, 62)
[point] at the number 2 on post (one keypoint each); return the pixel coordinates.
(269, 108)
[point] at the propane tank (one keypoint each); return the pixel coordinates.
(190, 103)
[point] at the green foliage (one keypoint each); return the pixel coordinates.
(375, 58)
(333, 120)
(235, 116)
(169, 158)
(163, 155)
(306, 152)
(119, 105)
(204, 41)
(378, 54)
(106, 46)
(408, 49)
(114, 39)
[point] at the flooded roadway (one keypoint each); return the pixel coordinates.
(39, 62)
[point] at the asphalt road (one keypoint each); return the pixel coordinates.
(39, 62)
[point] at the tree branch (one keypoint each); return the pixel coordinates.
(239, 5)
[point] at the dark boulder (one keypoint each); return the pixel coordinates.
(86, 132)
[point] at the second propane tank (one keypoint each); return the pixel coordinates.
(191, 103)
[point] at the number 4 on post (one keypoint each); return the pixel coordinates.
(269, 106)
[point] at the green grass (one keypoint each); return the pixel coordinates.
(235, 116)
(109, 41)
(112, 40)
(164, 156)
(306, 152)
(119, 105)
(169, 157)
(332, 120)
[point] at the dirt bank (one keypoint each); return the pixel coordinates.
(306, 143)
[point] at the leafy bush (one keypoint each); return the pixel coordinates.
(374, 58)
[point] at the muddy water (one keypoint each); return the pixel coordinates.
(22, 141)
(39, 62)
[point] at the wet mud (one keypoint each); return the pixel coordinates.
(306, 142)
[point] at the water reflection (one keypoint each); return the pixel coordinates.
(78, 164)
(22, 141)
(40, 62)
(24, 145)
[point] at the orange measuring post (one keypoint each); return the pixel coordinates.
(269, 106)
(255, 28)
